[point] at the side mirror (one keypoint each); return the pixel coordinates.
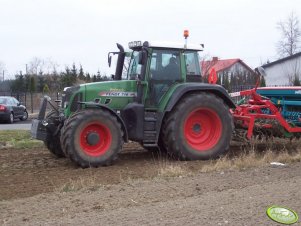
(142, 57)
(109, 59)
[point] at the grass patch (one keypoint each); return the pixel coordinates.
(18, 139)
(83, 183)
(257, 153)
(170, 168)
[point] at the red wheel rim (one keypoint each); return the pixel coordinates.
(101, 145)
(202, 129)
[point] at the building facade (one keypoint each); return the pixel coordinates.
(284, 71)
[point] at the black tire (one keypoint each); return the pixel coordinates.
(67, 121)
(11, 118)
(52, 142)
(25, 116)
(198, 128)
(92, 138)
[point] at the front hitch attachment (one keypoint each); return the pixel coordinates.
(38, 127)
(43, 106)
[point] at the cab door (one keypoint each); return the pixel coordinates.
(164, 72)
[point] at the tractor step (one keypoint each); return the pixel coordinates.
(150, 128)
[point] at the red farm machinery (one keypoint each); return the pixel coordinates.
(269, 111)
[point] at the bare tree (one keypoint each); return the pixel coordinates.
(289, 43)
(51, 67)
(35, 66)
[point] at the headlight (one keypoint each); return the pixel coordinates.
(135, 44)
(66, 104)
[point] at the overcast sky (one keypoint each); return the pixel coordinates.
(84, 31)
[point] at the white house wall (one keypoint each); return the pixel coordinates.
(278, 74)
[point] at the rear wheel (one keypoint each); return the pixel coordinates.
(53, 141)
(11, 118)
(92, 138)
(200, 127)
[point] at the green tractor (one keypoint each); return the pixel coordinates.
(160, 103)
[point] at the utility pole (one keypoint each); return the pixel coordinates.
(3, 76)
(31, 94)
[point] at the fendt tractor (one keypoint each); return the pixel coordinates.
(161, 103)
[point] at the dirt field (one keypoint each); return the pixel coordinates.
(139, 189)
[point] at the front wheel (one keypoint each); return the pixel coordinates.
(52, 142)
(92, 138)
(25, 116)
(198, 128)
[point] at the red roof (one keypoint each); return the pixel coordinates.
(219, 65)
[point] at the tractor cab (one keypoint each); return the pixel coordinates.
(157, 67)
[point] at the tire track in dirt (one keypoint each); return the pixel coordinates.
(220, 198)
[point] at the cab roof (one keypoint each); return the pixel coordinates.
(168, 45)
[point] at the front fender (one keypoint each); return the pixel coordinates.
(89, 105)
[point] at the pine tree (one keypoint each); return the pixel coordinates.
(32, 86)
(73, 74)
(21, 83)
(88, 77)
(27, 82)
(98, 77)
(66, 78)
(94, 79)
(41, 83)
(45, 89)
(81, 74)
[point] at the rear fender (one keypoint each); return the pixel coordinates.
(190, 88)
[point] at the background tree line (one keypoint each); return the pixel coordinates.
(43, 76)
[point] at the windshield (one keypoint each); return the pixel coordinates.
(134, 68)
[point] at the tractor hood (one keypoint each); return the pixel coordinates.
(115, 94)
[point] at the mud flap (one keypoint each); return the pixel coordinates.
(38, 130)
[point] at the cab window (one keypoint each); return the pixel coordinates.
(164, 72)
(165, 65)
(192, 63)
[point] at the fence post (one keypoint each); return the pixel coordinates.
(31, 99)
